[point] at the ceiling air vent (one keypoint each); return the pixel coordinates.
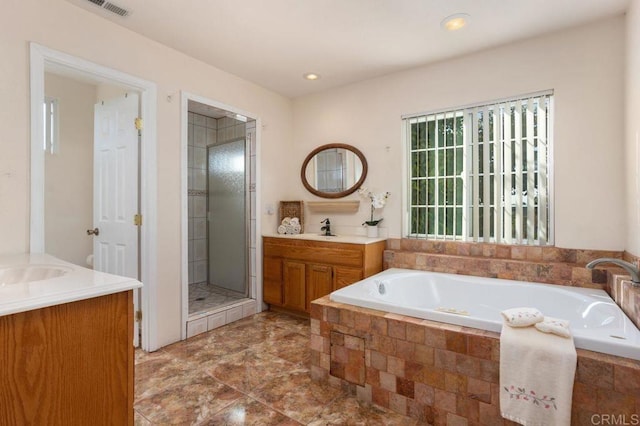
(113, 8)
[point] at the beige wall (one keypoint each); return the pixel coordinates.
(584, 66)
(62, 26)
(68, 201)
(632, 135)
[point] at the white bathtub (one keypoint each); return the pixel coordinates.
(597, 323)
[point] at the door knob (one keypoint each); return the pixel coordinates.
(94, 231)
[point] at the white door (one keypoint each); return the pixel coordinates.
(115, 186)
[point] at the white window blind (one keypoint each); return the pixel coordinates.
(481, 173)
(51, 124)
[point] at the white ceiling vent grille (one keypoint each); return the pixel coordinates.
(113, 8)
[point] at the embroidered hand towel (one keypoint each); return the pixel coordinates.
(536, 377)
(522, 317)
(556, 326)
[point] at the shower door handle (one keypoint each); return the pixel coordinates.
(94, 231)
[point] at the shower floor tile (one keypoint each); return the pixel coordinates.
(205, 297)
(252, 372)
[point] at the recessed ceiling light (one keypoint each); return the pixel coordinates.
(455, 22)
(311, 76)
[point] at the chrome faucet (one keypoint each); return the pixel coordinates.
(629, 267)
(326, 228)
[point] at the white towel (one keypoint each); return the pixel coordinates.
(522, 317)
(536, 376)
(556, 326)
(282, 229)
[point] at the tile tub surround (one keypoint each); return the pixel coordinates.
(550, 265)
(626, 296)
(445, 374)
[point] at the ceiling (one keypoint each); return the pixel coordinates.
(274, 42)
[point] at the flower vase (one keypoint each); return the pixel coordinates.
(372, 231)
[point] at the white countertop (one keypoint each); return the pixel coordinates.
(349, 239)
(77, 283)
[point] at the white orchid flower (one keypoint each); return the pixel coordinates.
(377, 202)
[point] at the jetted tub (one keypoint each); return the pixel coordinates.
(597, 323)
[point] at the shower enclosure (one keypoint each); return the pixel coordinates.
(227, 217)
(219, 202)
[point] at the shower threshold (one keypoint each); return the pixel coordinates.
(217, 316)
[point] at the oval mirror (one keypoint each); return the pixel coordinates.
(334, 170)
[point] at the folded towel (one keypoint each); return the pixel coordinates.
(556, 326)
(536, 376)
(282, 229)
(294, 221)
(286, 221)
(522, 317)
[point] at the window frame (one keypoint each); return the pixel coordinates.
(407, 164)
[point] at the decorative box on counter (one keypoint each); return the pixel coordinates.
(289, 211)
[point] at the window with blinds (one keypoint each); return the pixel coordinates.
(482, 173)
(51, 125)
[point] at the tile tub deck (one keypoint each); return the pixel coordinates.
(445, 374)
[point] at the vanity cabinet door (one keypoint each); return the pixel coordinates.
(294, 285)
(272, 288)
(319, 282)
(346, 276)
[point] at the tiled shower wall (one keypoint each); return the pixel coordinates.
(251, 136)
(201, 133)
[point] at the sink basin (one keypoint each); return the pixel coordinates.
(29, 273)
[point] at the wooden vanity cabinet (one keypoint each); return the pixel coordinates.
(297, 271)
(69, 364)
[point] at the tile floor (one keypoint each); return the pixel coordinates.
(252, 372)
(205, 297)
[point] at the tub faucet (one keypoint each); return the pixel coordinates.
(629, 267)
(326, 228)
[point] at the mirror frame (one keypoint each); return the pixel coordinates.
(344, 193)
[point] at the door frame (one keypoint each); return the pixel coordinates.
(255, 289)
(40, 57)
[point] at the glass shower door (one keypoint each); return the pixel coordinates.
(227, 221)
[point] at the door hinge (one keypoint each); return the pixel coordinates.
(139, 123)
(138, 316)
(137, 220)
